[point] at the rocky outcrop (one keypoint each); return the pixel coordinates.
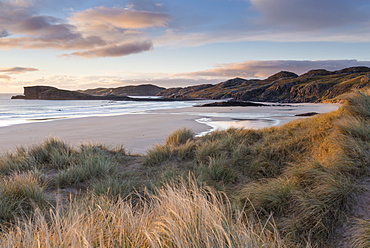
(233, 103)
(310, 92)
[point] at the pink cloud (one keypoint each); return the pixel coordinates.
(98, 32)
(6, 71)
(114, 50)
(266, 68)
(16, 70)
(5, 77)
(120, 18)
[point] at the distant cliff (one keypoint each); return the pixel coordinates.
(313, 86)
(52, 93)
(139, 90)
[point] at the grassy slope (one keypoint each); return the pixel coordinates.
(294, 185)
(305, 88)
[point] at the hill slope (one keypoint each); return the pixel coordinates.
(313, 86)
(139, 90)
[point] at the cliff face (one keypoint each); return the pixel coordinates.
(51, 93)
(313, 86)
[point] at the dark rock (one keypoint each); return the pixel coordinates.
(233, 103)
(307, 114)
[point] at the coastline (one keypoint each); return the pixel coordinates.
(138, 132)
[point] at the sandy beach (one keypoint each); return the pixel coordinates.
(138, 132)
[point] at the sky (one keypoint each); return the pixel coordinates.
(86, 44)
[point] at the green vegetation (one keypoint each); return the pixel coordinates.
(303, 184)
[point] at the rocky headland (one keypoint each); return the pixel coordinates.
(52, 93)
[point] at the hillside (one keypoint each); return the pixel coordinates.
(139, 90)
(313, 86)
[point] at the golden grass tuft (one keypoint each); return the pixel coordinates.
(20, 193)
(181, 215)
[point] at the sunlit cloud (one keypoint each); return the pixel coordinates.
(16, 70)
(95, 32)
(261, 69)
(119, 18)
(115, 50)
(5, 77)
(6, 71)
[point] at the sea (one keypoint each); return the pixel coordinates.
(20, 111)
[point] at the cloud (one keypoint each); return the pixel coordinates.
(92, 33)
(261, 69)
(5, 77)
(96, 81)
(120, 18)
(5, 72)
(4, 33)
(310, 15)
(274, 20)
(17, 70)
(115, 50)
(147, 5)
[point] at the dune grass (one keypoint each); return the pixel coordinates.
(304, 173)
(20, 194)
(288, 186)
(181, 215)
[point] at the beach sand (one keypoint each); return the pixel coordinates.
(138, 132)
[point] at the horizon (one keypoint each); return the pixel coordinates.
(91, 44)
(153, 83)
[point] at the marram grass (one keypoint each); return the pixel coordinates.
(181, 215)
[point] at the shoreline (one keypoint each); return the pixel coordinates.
(138, 132)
